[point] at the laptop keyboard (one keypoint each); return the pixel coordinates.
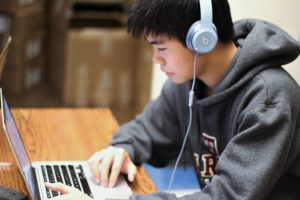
(71, 175)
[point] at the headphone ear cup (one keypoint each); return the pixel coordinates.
(201, 40)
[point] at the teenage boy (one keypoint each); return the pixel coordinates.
(244, 138)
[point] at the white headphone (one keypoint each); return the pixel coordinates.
(202, 36)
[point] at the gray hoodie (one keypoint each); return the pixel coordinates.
(245, 137)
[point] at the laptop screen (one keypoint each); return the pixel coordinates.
(17, 145)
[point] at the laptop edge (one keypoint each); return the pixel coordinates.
(31, 193)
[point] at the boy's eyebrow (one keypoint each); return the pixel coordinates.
(155, 42)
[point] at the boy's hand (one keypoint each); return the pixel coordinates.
(69, 193)
(107, 164)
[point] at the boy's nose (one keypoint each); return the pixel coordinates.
(157, 59)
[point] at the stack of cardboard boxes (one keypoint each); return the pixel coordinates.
(103, 65)
(25, 22)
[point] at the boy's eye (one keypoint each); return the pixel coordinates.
(161, 49)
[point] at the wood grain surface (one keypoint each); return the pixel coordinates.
(62, 134)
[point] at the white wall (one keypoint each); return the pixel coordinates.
(285, 14)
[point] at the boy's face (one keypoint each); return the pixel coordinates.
(175, 60)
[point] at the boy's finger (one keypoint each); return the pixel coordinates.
(131, 172)
(94, 162)
(105, 167)
(59, 187)
(116, 168)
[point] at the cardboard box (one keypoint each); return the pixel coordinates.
(144, 70)
(4, 26)
(17, 5)
(25, 60)
(99, 68)
(26, 49)
(27, 30)
(27, 21)
(17, 80)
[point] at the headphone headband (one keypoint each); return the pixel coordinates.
(206, 12)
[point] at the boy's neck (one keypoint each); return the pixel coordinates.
(216, 63)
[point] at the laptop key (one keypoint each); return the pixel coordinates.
(57, 174)
(74, 177)
(48, 193)
(50, 174)
(85, 186)
(84, 182)
(44, 173)
(66, 175)
(54, 193)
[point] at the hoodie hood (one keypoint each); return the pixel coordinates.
(260, 45)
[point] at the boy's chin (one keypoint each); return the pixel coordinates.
(179, 81)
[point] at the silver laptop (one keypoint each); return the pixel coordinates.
(72, 173)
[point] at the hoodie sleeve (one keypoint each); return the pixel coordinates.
(253, 160)
(153, 135)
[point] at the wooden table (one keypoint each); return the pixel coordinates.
(62, 134)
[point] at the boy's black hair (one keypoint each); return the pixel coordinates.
(173, 18)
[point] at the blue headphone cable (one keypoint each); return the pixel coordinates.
(190, 104)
